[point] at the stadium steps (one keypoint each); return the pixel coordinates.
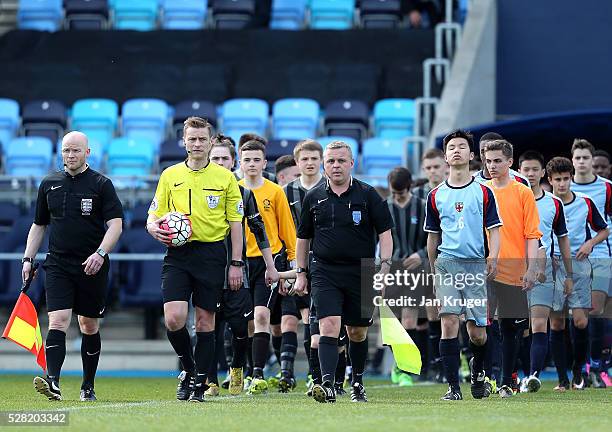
(8, 15)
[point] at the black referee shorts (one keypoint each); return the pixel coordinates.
(68, 287)
(336, 291)
(263, 295)
(197, 271)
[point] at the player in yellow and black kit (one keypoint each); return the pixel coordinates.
(274, 208)
(209, 195)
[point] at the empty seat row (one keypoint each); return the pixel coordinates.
(150, 119)
(144, 15)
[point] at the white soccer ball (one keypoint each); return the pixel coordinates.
(180, 227)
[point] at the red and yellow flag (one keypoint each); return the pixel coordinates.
(24, 330)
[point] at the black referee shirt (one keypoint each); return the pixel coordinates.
(344, 228)
(76, 209)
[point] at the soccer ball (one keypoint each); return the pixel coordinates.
(179, 225)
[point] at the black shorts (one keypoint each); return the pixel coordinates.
(235, 305)
(196, 271)
(303, 302)
(314, 327)
(68, 287)
(263, 295)
(511, 300)
(336, 291)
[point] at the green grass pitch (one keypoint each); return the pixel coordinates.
(132, 404)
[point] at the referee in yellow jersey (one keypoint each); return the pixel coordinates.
(209, 195)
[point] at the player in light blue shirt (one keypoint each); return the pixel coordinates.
(457, 213)
(582, 218)
(599, 190)
(552, 223)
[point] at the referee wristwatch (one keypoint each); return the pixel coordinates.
(101, 252)
(387, 261)
(301, 270)
(237, 263)
(27, 259)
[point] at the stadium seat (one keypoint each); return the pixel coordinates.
(97, 118)
(380, 13)
(130, 157)
(183, 14)
(171, 151)
(29, 156)
(288, 14)
(380, 154)
(9, 121)
(245, 115)
(145, 118)
(45, 118)
(347, 118)
(10, 274)
(198, 108)
(142, 287)
(43, 15)
(233, 14)
(138, 15)
(394, 118)
(331, 14)
(86, 14)
(295, 119)
(324, 141)
(279, 147)
(9, 214)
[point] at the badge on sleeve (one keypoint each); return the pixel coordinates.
(356, 217)
(86, 206)
(240, 208)
(153, 207)
(213, 201)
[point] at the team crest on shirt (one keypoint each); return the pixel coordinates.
(459, 206)
(86, 206)
(267, 204)
(356, 217)
(213, 201)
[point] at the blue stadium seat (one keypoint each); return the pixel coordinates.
(184, 14)
(97, 118)
(279, 147)
(331, 14)
(295, 119)
(324, 141)
(45, 118)
(394, 118)
(143, 286)
(245, 115)
(130, 157)
(138, 15)
(10, 274)
(9, 121)
(86, 14)
(189, 108)
(347, 117)
(171, 151)
(381, 154)
(29, 156)
(9, 214)
(288, 14)
(233, 14)
(380, 13)
(145, 118)
(44, 15)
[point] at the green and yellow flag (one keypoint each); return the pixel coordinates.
(406, 354)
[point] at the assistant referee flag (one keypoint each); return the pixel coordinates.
(23, 327)
(406, 354)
